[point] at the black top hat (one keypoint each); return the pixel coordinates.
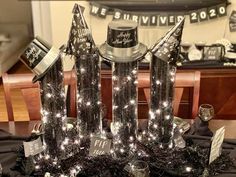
(39, 57)
(122, 42)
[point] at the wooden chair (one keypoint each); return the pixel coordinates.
(184, 79)
(31, 95)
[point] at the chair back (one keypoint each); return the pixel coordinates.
(31, 93)
(184, 79)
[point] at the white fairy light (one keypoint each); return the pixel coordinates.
(45, 119)
(111, 151)
(63, 95)
(99, 102)
(126, 106)
(172, 73)
(167, 117)
(88, 103)
(45, 113)
(122, 150)
(58, 115)
(131, 138)
(64, 128)
(114, 107)
(116, 88)
(158, 111)
(82, 70)
(37, 167)
(154, 138)
(132, 102)
(47, 157)
(165, 103)
(152, 116)
(66, 141)
(155, 126)
(158, 82)
(76, 142)
(80, 100)
(62, 147)
(136, 82)
(170, 145)
(140, 138)
(134, 71)
(188, 169)
(73, 172)
(114, 78)
(49, 95)
(129, 78)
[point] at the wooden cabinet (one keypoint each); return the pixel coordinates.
(218, 88)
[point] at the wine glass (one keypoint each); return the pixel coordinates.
(140, 168)
(199, 46)
(206, 112)
(185, 46)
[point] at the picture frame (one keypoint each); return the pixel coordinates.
(213, 52)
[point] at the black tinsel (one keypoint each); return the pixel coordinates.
(53, 108)
(162, 162)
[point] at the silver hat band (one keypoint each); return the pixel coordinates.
(49, 58)
(122, 54)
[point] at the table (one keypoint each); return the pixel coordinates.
(25, 128)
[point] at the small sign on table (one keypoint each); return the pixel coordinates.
(216, 145)
(33, 147)
(99, 146)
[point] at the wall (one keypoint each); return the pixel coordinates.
(209, 31)
(15, 11)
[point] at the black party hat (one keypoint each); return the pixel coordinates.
(80, 37)
(122, 43)
(167, 48)
(39, 57)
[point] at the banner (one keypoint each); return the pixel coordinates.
(232, 21)
(159, 19)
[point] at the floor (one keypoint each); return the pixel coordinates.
(19, 108)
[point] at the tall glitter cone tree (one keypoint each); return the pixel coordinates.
(162, 77)
(82, 47)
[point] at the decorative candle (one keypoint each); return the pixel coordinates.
(85, 53)
(46, 62)
(124, 51)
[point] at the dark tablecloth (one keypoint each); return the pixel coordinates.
(9, 145)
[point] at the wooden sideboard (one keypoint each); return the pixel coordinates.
(218, 88)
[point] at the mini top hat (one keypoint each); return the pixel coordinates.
(39, 57)
(122, 42)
